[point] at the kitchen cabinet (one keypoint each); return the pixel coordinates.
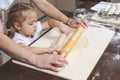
(66, 5)
(40, 14)
(63, 5)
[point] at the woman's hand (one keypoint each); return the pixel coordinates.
(48, 61)
(74, 23)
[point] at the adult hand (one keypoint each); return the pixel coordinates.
(74, 23)
(48, 61)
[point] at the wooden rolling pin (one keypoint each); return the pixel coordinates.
(71, 42)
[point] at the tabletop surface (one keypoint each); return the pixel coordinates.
(107, 68)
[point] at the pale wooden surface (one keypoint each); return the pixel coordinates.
(84, 55)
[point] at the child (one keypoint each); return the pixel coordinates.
(22, 20)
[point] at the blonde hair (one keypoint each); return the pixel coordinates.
(16, 15)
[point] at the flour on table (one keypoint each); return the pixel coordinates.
(83, 43)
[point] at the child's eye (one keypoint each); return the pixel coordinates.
(31, 24)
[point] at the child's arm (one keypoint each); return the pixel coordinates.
(54, 23)
(59, 43)
(65, 30)
(61, 40)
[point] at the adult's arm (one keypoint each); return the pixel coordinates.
(50, 10)
(53, 12)
(14, 50)
(45, 61)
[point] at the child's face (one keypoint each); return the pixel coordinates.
(28, 27)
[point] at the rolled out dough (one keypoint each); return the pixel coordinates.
(83, 42)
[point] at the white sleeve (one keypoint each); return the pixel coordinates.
(39, 29)
(39, 26)
(20, 41)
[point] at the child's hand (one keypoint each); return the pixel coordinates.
(64, 28)
(48, 61)
(53, 48)
(58, 45)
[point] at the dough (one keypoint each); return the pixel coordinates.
(82, 43)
